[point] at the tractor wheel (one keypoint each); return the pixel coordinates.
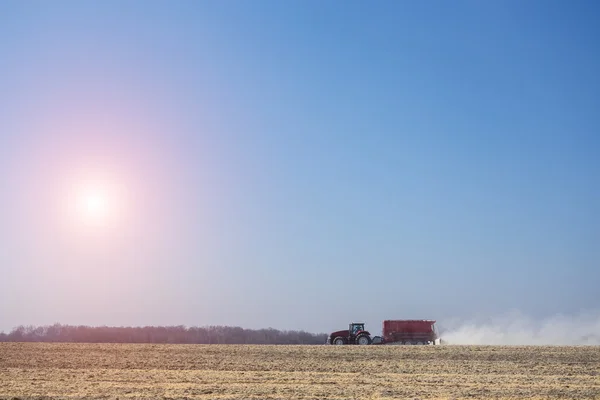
(363, 340)
(339, 341)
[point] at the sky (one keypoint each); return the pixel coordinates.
(297, 164)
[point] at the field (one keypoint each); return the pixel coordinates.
(297, 372)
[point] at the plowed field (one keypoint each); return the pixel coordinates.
(35, 370)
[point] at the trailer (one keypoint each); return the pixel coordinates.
(409, 332)
(397, 332)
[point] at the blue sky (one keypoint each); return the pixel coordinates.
(299, 164)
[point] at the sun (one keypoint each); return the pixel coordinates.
(94, 204)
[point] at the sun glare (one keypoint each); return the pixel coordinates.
(94, 205)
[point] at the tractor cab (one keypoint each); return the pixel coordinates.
(356, 327)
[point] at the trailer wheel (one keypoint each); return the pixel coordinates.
(339, 341)
(363, 340)
(419, 343)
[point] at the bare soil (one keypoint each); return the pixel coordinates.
(110, 371)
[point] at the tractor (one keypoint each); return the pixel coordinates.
(398, 331)
(355, 334)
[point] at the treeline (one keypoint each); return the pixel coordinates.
(159, 334)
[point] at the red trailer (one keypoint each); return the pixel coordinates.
(405, 331)
(409, 331)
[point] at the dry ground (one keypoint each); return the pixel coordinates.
(297, 372)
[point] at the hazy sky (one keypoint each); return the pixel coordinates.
(297, 164)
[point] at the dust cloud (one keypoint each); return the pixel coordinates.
(515, 328)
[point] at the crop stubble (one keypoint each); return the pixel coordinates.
(29, 370)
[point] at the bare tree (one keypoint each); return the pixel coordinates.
(159, 334)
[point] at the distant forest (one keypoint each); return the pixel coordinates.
(159, 334)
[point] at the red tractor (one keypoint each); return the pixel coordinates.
(355, 334)
(408, 332)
